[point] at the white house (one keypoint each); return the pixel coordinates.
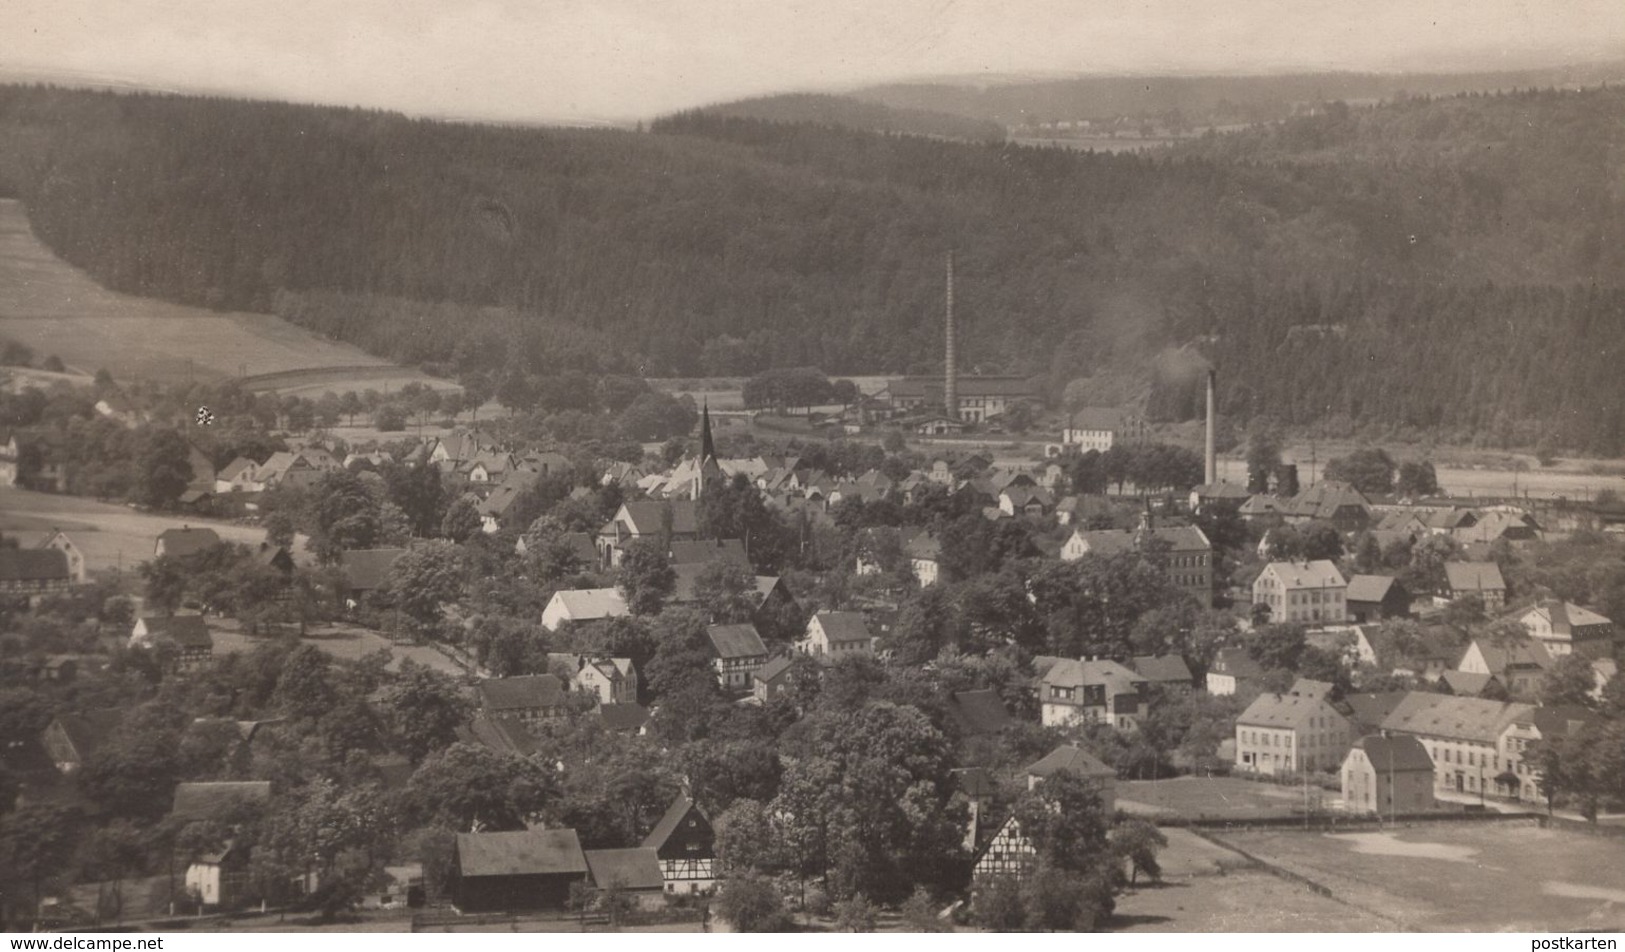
(836, 635)
(583, 604)
(1292, 732)
(1306, 592)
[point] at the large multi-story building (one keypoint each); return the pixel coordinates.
(1309, 593)
(1462, 735)
(978, 397)
(1295, 732)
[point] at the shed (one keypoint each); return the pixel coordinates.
(510, 872)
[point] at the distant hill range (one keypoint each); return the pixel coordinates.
(1463, 256)
(1014, 102)
(852, 113)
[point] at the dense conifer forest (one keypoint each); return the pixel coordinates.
(1450, 265)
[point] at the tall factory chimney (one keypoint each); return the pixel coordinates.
(950, 377)
(1211, 473)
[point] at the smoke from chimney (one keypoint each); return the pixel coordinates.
(1212, 470)
(950, 382)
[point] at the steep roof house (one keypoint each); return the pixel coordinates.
(737, 654)
(685, 844)
(1091, 692)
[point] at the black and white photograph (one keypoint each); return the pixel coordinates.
(1138, 467)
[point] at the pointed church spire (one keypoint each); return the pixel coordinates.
(708, 449)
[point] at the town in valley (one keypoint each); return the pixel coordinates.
(1019, 504)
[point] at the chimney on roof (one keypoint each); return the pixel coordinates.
(1211, 472)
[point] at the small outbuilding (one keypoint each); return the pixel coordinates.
(514, 872)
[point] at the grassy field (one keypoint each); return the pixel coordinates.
(1206, 888)
(57, 309)
(109, 535)
(1222, 798)
(1489, 877)
(344, 642)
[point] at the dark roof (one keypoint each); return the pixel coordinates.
(710, 550)
(187, 631)
(523, 693)
(1163, 669)
(89, 730)
(186, 540)
(843, 626)
(967, 385)
(773, 669)
(368, 569)
(668, 823)
(1466, 683)
(1395, 752)
(33, 565)
(623, 717)
(523, 853)
(197, 801)
(736, 641)
(978, 712)
(635, 868)
(646, 516)
(1368, 588)
(500, 733)
(1474, 577)
(1072, 760)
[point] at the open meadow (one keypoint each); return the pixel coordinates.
(109, 535)
(1482, 877)
(1217, 798)
(55, 308)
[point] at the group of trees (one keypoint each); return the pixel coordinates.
(782, 389)
(1150, 467)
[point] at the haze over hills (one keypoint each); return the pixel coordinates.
(1015, 101)
(727, 245)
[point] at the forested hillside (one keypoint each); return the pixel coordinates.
(1469, 249)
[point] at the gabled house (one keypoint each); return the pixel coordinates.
(1183, 553)
(530, 699)
(609, 680)
(188, 634)
(924, 553)
(1337, 503)
(675, 520)
(498, 505)
(1371, 598)
(59, 541)
(1091, 692)
(685, 844)
(179, 543)
(737, 654)
(1462, 736)
(516, 872)
(583, 604)
(633, 874)
(1092, 428)
(35, 572)
(366, 571)
(832, 635)
(1387, 776)
(773, 678)
(1304, 592)
(1167, 671)
(1299, 731)
(1476, 578)
(1566, 628)
(241, 475)
(1520, 666)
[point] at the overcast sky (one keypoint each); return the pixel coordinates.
(578, 60)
